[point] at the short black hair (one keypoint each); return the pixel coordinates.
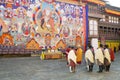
(106, 46)
(90, 46)
(101, 45)
(72, 47)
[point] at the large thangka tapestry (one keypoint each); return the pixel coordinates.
(45, 21)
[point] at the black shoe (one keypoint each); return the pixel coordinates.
(89, 71)
(99, 71)
(107, 70)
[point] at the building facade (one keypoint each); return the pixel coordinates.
(104, 23)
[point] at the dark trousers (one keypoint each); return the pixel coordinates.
(107, 68)
(101, 67)
(106, 64)
(90, 68)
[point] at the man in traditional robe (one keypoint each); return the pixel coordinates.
(67, 51)
(107, 59)
(89, 58)
(72, 60)
(99, 57)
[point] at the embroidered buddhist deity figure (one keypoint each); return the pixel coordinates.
(21, 12)
(26, 29)
(8, 13)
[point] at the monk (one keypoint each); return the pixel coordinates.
(112, 56)
(79, 55)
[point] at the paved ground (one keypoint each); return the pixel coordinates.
(32, 68)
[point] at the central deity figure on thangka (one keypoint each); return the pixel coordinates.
(47, 18)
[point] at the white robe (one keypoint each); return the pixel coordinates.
(107, 55)
(99, 56)
(72, 56)
(89, 56)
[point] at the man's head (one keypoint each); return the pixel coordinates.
(101, 45)
(106, 46)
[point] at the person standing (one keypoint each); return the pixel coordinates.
(66, 55)
(89, 58)
(112, 55)
(99, 57)
(79, 55)
(119, 47)
(72, 60)
(114, 49)
(107, 60)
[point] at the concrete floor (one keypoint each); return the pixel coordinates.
(32, 68)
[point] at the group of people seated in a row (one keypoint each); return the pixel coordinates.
(102, 56)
